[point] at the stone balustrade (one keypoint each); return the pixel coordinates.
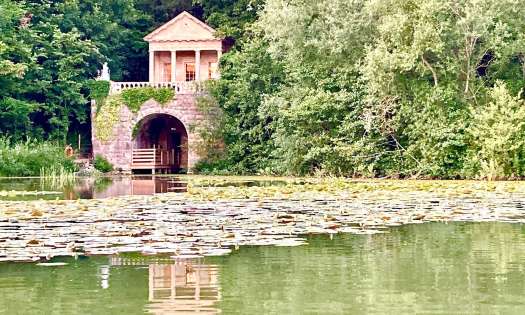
(180, 87)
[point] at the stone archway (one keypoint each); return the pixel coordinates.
(118, 150)
(164, 132)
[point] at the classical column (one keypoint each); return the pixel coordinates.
(151, 66)
(197, 64)
(173, 65)
(219, 54)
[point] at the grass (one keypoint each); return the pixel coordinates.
(33, 158)
(56, 177)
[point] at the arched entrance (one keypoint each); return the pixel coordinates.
(160, 143)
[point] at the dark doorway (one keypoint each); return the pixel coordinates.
(167, 136)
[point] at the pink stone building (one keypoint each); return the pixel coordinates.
(182, 53)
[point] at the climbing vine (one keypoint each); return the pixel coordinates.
(134, 98)
(135, 131)
(108, 110)
(107, 117)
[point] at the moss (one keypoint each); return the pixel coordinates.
(134, 98)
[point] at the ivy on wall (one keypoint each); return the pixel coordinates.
(108, 112)
(134, 98)
(135, 131)
(107, 117)
(98, 91)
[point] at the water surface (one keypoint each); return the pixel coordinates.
(35, 188)
(434, 268)
(89, 187)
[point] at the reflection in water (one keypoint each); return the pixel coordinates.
(129, 185)
(104, 276)
(180, 286)
(95, 187)
(435, 268)
(107, 187)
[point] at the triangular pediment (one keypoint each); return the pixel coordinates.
(182, 28)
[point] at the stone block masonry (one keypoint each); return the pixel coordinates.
(118, 150)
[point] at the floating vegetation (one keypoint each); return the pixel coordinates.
(210, 221)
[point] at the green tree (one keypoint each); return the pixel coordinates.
(115, 27)
(246, 77)
(497, 132)
(319, 123)
(48, 51)
(15, 56)
(429, 61)
(162, 11)
(231, 18)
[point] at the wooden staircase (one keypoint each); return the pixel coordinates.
(154, 159)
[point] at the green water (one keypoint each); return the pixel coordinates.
(438, 268)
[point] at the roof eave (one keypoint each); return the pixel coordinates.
(150, 36)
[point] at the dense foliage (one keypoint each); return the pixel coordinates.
(98, 90)
(379, 88)
(31, 157)
(397, 88)
(49, 50)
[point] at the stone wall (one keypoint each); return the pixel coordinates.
(119, 150)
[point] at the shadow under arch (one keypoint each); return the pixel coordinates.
(164, 132)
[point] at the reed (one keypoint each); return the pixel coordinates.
(29, 157)
(56, 177)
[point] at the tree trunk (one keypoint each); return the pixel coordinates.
(434, 74)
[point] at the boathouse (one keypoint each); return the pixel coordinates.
(183, 53)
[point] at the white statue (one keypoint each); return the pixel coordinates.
(104, 73)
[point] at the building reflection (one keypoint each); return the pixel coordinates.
(97, 188)
(178, 286)
(149, 185)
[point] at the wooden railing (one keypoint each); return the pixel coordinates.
(153, 159)
(180, 87)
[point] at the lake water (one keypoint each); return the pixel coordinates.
(433, 268)
(89, 187)
(106, 187)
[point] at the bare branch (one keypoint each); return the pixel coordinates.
(429, 66)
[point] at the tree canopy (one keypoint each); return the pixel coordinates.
(386, 88)
(344, 87)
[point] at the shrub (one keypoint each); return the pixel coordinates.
(102, 164)
(218, 167)
(497, 134)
